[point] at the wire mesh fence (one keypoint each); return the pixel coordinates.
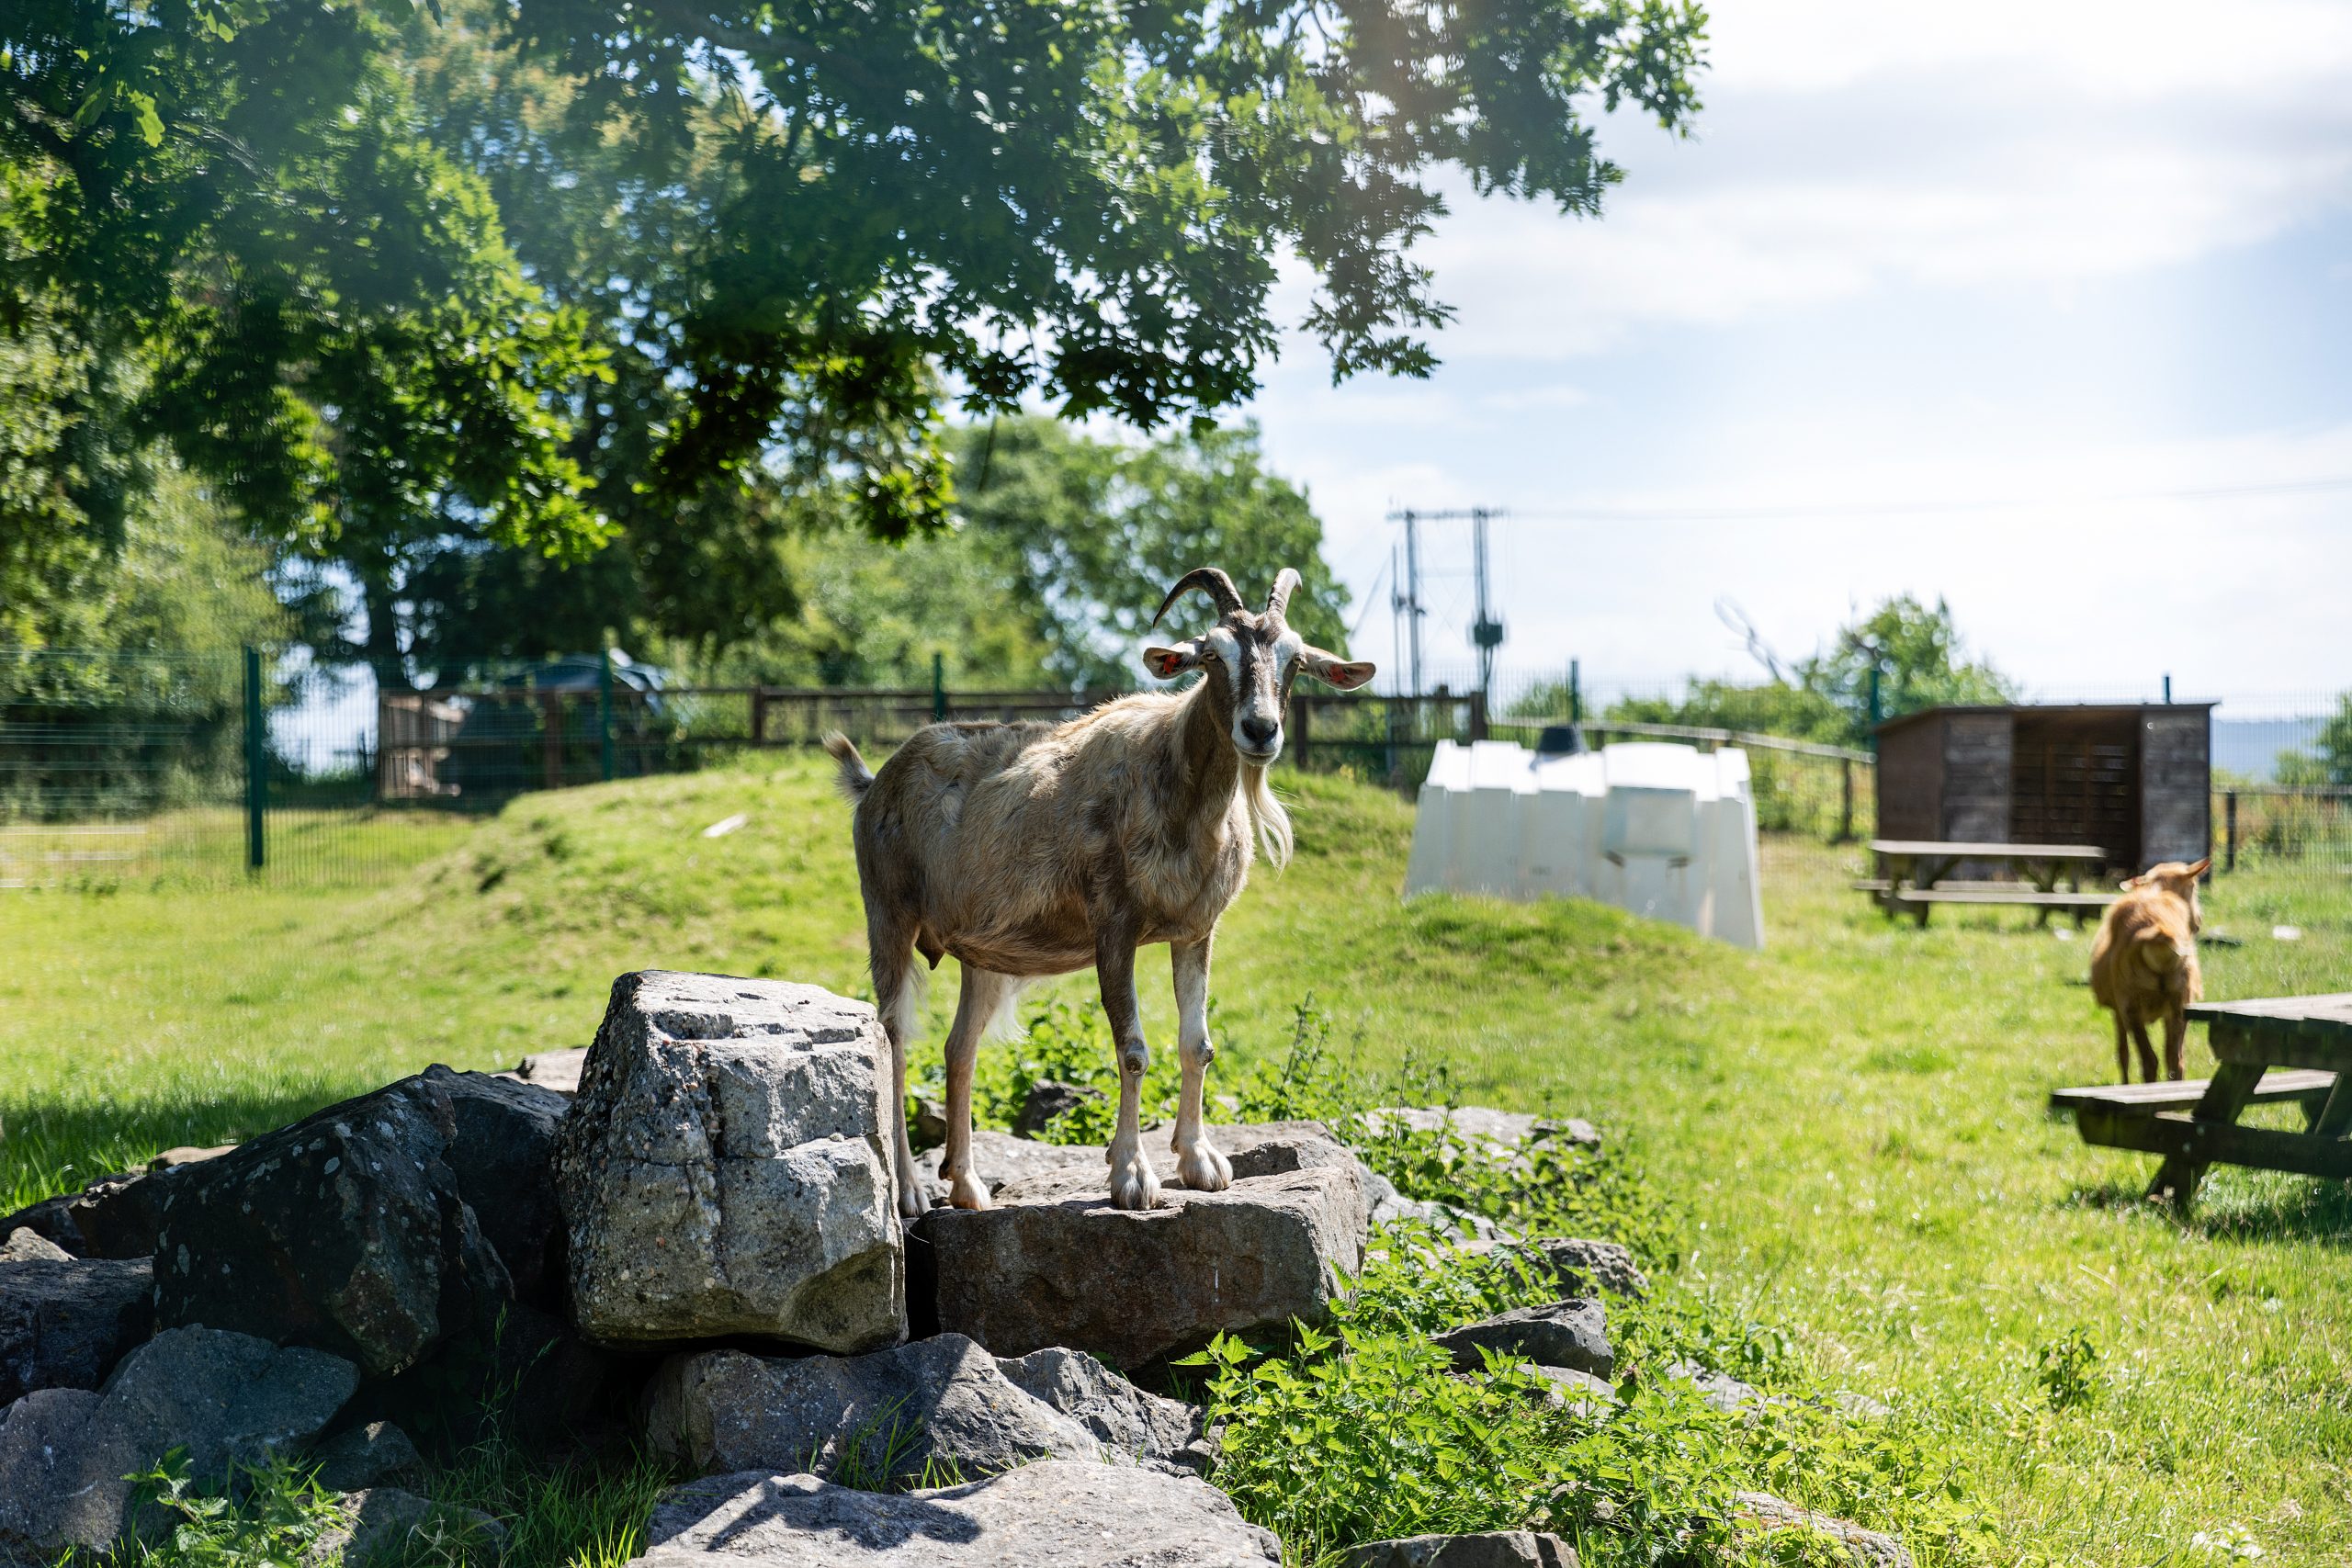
(129, 769)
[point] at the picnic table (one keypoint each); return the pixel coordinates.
(1914, 876)
(2268, 1050)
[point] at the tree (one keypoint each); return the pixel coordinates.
(2328, 763)
(228, 206)
(1921, 659)
(1094, 533)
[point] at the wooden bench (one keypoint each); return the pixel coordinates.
(2278, 1084)
(2276, 1048)
(1914, 876)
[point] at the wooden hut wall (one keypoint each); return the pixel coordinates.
(2176, 784)
(1977, 749)
(2076, 779)
(1910, 780)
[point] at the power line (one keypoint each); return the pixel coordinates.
(1910, 508)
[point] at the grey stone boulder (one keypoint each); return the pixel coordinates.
(1053, 1514)
(226, 1399)
(1049, 1099)
(725, 1170)
(1588, 1268)
(1500, 1132)
(374, 1454)
(557, 1071)
(1570, 1333)
(65, 1321)
(999, 1158)
(384, 1524)
(1127, 1421)
(114, 1216)
(1868, 1548)
(1721, 1390)
(1493, 1549)
(934, 1406)
(1054, 1265)
(1577, 1390)
(377, 1229)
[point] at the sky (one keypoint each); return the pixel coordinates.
(2043, 308)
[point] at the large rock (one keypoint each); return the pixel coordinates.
(1054, 1265)
(225, 1399)
(376, 1228)
(934, 1408)
(65, 1321)
(1494, 1549)
(1054, 1514)
(1584, 1267)
(558, 1070)
(725, 1170)
(1566, 1334)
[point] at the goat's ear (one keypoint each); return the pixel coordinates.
(1170, 662)
(1334, 672)
(2201, 868)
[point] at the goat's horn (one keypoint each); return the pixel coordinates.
(1209, 580)
(1278, 601)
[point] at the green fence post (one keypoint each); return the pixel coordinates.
(938, 686)
(256, 767)
(1877, 713)
(605, 715)
(1575, 692)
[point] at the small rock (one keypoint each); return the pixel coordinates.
(365, 1456)
(1495, 1549)
(1578, 1391)
(724, 1170)
(1049, 1099)
(557, 1071)
(1053, 1514)
(1566, 1334)
(26, 1245)
(65, 1321)
(383, 1524)
(1867, 1548)
(1720, 1389)
(897, 1415)
(1044, 1269)
(926, 1126)
(376, 1228)
(225, 1399)
(1861, 1406)
(172, 1159)
(1588, 1268)
(1501, 1130)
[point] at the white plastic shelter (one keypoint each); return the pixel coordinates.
(1666, 832)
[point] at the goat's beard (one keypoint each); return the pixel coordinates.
(1266, 815)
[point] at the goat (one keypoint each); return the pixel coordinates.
(2143, 964)
(1035, 849)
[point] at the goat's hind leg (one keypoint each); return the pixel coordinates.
(898, 991)
(2147, 1052)
(1198, 1163)
(976, 1005)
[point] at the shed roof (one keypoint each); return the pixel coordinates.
(2083, 710)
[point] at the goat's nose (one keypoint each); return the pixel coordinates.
(1260, 732)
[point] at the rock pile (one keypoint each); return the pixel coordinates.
(686, 1237)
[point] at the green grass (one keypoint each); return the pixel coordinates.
(1854, 1119)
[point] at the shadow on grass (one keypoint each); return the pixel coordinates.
(2270, 1209)
(47, 1147)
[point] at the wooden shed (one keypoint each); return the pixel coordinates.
(2137, 780)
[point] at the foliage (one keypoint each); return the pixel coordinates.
(2066, 1368)
(1095, 531)
(1825, 697)
(275, 1516)
(2328, 764)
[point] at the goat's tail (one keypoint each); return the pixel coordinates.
(1266, 815)
(856, 778)
(2162, 950)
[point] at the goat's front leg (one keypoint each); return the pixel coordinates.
(1203, 1169)
(1134, 1185)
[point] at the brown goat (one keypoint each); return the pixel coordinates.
(2144, 965)
(1033, 850)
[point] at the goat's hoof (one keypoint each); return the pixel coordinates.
(1203, 1169)
(968, 1192)
(1134, 1185)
